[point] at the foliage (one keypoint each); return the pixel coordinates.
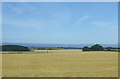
(109, 48)
(46, 48)
(86, 48)
(14, 48)
(97, 47)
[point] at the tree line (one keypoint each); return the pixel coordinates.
(14, 48)
(97, 47)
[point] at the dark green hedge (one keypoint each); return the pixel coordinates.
(14, 48)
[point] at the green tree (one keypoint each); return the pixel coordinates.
(109, 48)
(14, 48)
(97, 47)
(86, 48)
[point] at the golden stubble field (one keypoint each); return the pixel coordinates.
(61, 63)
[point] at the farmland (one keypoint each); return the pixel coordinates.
(60, 63)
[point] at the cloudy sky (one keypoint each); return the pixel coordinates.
(60, 22)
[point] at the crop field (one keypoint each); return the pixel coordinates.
(60, 63)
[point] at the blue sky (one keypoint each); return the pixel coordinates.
(60, 22)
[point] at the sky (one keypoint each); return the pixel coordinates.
(60, 22)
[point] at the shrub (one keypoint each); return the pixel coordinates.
(86, 48)
(109, 48)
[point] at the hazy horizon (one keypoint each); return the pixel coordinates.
(58, 45)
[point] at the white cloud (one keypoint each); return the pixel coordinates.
(17, 10)
(104, 24)
(82, 19)
(22, 7)
(100, 23)
(21, 23)
(32, 23)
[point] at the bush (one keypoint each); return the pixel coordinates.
(86, 48)
(97, 47)
(14, 48)
(109, 48)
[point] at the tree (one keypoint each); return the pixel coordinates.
(14, 48)
(109, 48)
(86, 48)
(97, 47)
